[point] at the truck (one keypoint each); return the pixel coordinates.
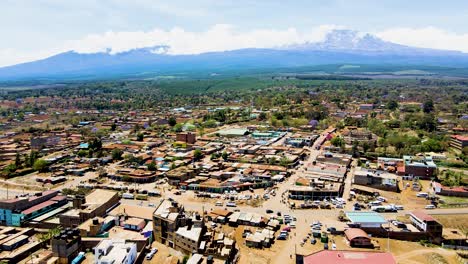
(142, 197)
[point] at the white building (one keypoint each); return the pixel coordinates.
(115, 251)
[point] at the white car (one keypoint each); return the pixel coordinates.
(429, 206)
(151, 254)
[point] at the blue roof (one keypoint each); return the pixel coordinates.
(365, 217)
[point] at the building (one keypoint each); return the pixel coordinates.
(97, 203)
(458, 191)
(115, 251)
(38, 143)
(187, 239)
(376, 179)
(458, 141)
(421, 167)
(365, 219)
(317, 190)
(426, 223)
(66, 245)
(13, 212)
(188, 137)
(167, 218)
(346, 257)
(357, 237)
(233, 132)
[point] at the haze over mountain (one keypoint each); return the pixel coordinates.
(338, 47)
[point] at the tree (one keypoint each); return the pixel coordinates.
(172, 121)
(337, 142)
(197, 154)
(262, 116)
(224, 155)
(392, 105)
(40, 165)
(140, 137)
(428, 106)
(18, 160)
(82, 153)
(178, 128)
(152, 166)
(117, 154)
(113, 126)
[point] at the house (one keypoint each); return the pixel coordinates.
(167, 218)
(115, 251)
(458, 141)
(426, 223)
(376, 179)
(357, 237)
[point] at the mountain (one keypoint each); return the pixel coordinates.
(338, 47)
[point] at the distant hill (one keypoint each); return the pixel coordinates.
(339, 47)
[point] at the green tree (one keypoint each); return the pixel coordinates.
(172, 121)
(392, 105)
(117, 154)
(18, 162)
(337, 142)
(178, 128)
(428, 106)
(140, 137)
(224, 155)
(40, 165)
(82, 153)
(197, 154)
(152, 166)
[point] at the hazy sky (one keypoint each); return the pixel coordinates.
(40, 28)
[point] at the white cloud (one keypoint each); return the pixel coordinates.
(222, 37)
(427, 37)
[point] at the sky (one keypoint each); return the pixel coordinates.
(35, 29)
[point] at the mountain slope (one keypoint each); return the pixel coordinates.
(339, 47)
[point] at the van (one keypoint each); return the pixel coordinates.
(231, 204)
(422, 194)
(430, 206)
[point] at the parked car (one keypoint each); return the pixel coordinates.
(151, 253)
(313, 241)
(429, 206)
(269, 211)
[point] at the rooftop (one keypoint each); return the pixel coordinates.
(365, 217)
(193, 233)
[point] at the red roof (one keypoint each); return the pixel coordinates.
(459, 137)
(349, 257)
(352, 233)
(38, 207)
(422, 216)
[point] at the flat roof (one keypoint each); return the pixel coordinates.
(142, 212)
(365, 217)
(233, 131)
(193, 234)
(99, 196)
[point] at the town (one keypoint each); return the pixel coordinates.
(295, 175)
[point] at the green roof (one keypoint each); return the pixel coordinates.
(365, 217)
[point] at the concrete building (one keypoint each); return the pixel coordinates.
(188, 137)
(167, 218)
(426, 223)
(458, 141)
(115, 251)
(97, 203)
(317, 190)
(187, 239)
(422, 167)
(376, 179)
(66, 245)
(13, 212)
